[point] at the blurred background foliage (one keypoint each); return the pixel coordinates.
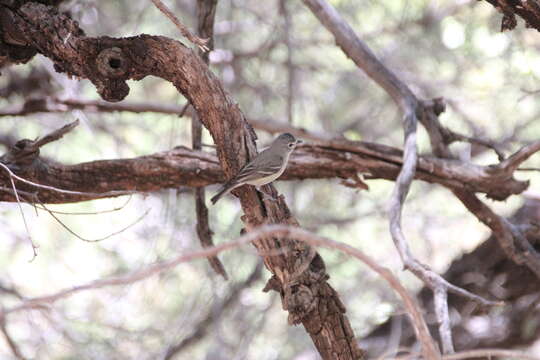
(451, 48)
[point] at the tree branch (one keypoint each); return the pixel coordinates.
(201, 43)
(440, 137)
(321, 159)
(182, 166)
(206, 11)
(264, 231)
(15, 350)
(108, 63)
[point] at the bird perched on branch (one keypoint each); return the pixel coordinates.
(264, 168)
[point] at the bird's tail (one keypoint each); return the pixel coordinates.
(224, 190)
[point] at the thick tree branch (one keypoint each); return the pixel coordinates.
(109, 62)
(185, 167)
(528, 10)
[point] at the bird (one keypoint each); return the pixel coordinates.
(264, 168)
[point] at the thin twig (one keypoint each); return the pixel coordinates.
(488, 353)
(62, 191)
(55, 135)
(201, 43)
(98, 239)
(32, 244)
(528, 169)
(99, 212)
(15, 350)
(206, 11)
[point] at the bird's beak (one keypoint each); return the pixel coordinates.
(298, 141)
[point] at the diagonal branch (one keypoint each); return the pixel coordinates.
(364, 58)
(440, 137)
(202, 327)
(201, 43)
(15, 350)
(264, 231)
(206, 11)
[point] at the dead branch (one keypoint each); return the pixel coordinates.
(410, 303)
(477, 272)
(440, 137)
(201, 43)
(527, 10)
(15, 350)
(202, 327)
(206, 11)
(53, 182)
(364, 58)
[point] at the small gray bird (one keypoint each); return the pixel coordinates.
(264, 168)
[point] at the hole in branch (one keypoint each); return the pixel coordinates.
(115, 63)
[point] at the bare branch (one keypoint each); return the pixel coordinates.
(15, 350)
(206, 11)
(201, 43)
(55, 135)
(488, 353)
(202, 327)
(32, 244)
(362, 56)
(511, 164)
(119, 59)
(320, 159)
(264, 231)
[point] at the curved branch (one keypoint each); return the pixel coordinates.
(108, 63)
(411, 305)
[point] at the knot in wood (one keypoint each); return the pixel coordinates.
(299, 300)
(21, 155)
(112, 63)
(439, 106)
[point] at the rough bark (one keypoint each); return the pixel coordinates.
(185, 167)
(206, 12)
(528, 10)
(109, 62)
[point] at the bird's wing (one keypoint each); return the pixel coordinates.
(263, 165)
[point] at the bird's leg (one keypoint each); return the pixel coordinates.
(265, 195)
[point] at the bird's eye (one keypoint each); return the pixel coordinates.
(291, 145)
